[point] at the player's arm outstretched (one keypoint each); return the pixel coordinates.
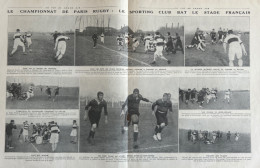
(242, 47)
(123, 107)
(86, 110)
(154, 107)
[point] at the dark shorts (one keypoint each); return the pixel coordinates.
(161, 118)
(94, 118)
(134, 118)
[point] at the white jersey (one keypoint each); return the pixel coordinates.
(30, 90)
(159, 41)
(233, 40)
(61, 38)
(148, 38)
(17, 37)
(227, 93)
(28, 35)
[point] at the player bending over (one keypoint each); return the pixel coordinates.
(60, 45)
(93, 112)
(18, 41)
(162, 107)
(133, 102)
(236, 48)
(159, 42)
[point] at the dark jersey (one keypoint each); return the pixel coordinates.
(133, 103)
(97, 106)
(193, 93)
(48, 91)
(57, 90)
(213, 34)
(9, 129)
(94, 37)
(162, 106)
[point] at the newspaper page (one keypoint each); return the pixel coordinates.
(120, 83)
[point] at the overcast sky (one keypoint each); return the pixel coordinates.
(206, 23)
(214, 124)
(116, 21)
(219, 83)
(47, 81)
(60, 121)
(41, 23)
(153, 23)
(120, 88)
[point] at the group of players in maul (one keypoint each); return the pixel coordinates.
(156, 43)
(15, 91)
(204, 95)
(226, 37)
(25, 40)
(131, 113)
(209, 137)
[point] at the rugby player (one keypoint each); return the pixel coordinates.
(162, 107)
(48, 92)
(28, 38)
(228, 136)
(220, 35)
(236, 48)
(54, 139)
(227, 96)
(60, 45)
(29, 93)
(94, 38)
(213, 36)
(178, 43)
(26, 131)
(9, 133)
(18, 41)
(120, 43)
(102, 38)
(159, 42)
(93, 112)
(56, 92)
(133, 102)
(147, 40)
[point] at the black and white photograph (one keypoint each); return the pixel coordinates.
(42, 93)
(41, 40)
(217, 41)
(217, 93)
(41, 135)
(118, 40)
(134, 115)
(215, 135)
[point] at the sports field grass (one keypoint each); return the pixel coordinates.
(107, 54)
(214, 54)
(42, 51)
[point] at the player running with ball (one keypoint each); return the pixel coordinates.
(133, 102)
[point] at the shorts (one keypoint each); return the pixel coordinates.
(235, 51)
(54, 138)
(134, 118)
(29, 41)
(161, 118)
(94, 117)
(62, 47)
(73, 132)
(25, 132)
(158, 51)
(18, 42)
(227, 97)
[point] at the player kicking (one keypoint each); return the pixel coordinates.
(29, 93)
(133, 102)
(236, 48)
(93, 112)
(120, 43)
(160, 109)
(60, 45)
(159, 42)
(227, 96)
(18, 41)
(28, 38)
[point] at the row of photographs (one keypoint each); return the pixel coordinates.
(117, 40)
(127, 115)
